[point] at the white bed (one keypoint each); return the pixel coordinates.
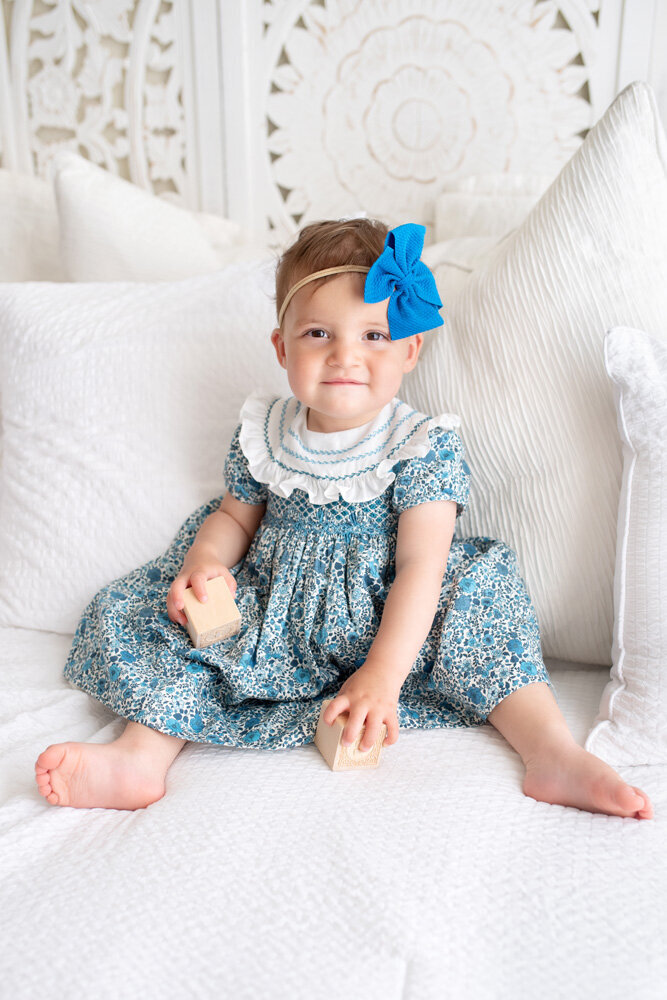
(266, 874)
(263, 873)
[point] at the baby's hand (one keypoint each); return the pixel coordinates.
(370, 700)
(195, 575)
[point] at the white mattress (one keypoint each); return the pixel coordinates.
(265, 874)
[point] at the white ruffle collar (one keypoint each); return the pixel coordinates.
(355, 465)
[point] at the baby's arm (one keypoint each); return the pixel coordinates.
(422, 548)
(371, 693)
(222, 540)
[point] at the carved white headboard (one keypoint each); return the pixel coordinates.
(277, 112)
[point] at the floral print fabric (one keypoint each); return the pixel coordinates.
(311, 590)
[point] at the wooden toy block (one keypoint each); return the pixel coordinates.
(215, 619)
(338, 757)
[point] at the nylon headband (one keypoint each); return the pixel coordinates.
(311, 277)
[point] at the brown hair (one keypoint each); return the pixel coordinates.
(329, 244)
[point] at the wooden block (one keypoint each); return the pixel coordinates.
(338, 757)
(215, 619)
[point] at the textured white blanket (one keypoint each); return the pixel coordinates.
(264, 874)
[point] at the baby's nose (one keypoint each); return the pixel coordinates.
(343, 353)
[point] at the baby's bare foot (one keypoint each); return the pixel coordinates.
(571, 776)
(90, 775)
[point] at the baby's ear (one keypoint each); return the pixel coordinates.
(279, 344)
(414, 347)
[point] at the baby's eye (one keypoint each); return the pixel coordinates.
(375, 335)
(317, 334)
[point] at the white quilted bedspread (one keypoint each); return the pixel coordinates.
(262, 874)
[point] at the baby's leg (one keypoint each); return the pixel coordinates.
(128, 773)
(558, 770)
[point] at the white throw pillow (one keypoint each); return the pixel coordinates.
(453, 261)
(631, 726)
(29, 248)
(112, 230)
(521, 361)
(486, 204)
(120, 401)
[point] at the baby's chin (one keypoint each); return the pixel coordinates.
(344, 419)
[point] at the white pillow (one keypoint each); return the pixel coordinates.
(631, 726)
(112, 230)
(521, 362)
(120, 401)
(453, 261)
(28, 229)
(486, 204)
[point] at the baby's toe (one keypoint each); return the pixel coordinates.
(630, 801)
(43, 780)
(51, 757)
(644, 810)
(45, 788)
(628, 797)
(47, 761)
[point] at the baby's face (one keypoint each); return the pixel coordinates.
(339, 357)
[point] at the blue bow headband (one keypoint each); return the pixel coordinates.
(398, 275)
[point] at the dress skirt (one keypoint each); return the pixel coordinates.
(311, 592)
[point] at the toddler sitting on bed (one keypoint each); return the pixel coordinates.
(336, 538)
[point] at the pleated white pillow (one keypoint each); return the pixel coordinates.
(521, 361)
(631, 726)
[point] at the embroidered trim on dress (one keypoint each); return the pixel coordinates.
(362, 459)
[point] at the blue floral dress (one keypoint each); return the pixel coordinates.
(311, 591)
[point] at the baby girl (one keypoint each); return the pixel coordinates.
(336, 537)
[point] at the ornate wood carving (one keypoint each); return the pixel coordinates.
(373, 106)
(99, 78)
(278, 112)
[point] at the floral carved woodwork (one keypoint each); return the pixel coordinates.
(354, 105)
(99, 78)
(373, 106)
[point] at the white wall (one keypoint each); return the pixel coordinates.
(643, 48)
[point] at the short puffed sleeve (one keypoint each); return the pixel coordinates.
(441, 474)
(237, 475)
